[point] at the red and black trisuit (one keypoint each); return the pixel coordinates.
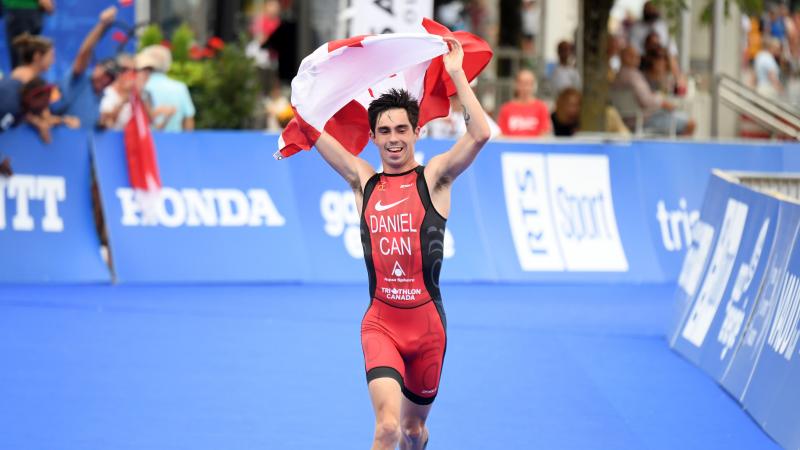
(403, 332)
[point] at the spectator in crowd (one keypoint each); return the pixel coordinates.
(655, 67)
(660, 116)
(31, 105)
(81, 92)
(24, 17)
(615, 46)
(777, 22)
(164, 91)
(5, 166)
(275, 107)
(652, 43)
(767, 70)
(115, 108)
(653, 23)
(36, 96)
(525, 115)
(754, 39)
(21, 93)
(37, 56)
(567, 114)
(531, 22)
(453, 125)
(565, 73)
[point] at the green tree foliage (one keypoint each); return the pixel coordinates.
(226, 93)
(182, 39)
(223, 81)
(151, 35)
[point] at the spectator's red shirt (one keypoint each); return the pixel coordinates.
(524, 119)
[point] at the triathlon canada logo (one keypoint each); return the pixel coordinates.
(398, 271)
(28, 196)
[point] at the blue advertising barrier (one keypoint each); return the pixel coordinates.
(770, 380)
(740, 293)
(226, 211)
(740, 370)
(675, 175)
(47, 229)
(739, 290)
(544, 211)
(571, 212)
(696, 299)
(67, 27)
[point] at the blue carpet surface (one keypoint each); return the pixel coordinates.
(280, 367)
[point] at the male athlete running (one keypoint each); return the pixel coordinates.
(403, 213)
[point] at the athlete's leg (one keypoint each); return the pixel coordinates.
(412, 425)
(386, 401)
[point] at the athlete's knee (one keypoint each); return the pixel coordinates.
(387, 431)
(413, 429)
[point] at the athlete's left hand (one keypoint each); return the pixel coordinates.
(455, 57)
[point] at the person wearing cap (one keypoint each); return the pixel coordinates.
(115, 107)
(164, 91)
(82, 90)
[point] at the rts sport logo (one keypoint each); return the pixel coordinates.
(561, 212)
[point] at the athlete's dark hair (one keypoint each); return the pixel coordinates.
(394, 98)
(27, 46)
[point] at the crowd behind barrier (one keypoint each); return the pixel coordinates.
(544, 211)
(738, 302)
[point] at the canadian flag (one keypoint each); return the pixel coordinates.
(335, 84)
(140, 151)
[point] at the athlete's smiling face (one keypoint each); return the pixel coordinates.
(395, 137)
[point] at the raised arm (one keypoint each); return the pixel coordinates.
(81, 62)
(444, 168)
(353, 169)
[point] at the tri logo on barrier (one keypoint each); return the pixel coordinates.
(676, 225)
(25, 189)
(561, 212)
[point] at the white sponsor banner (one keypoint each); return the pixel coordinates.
(528, 207)
(561, 212)
(23, 190)
(583, 211)
(784, 333)
(189, 207)
(719, 272)
(388, 16)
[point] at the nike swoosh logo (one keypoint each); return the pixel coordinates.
(379, 207)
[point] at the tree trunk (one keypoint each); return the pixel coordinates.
(510, 33)
(595, 64)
